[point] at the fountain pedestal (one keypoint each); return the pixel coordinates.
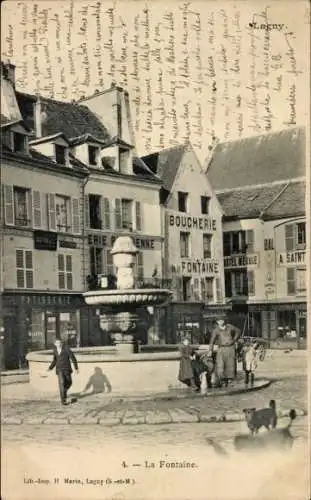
(124, 311)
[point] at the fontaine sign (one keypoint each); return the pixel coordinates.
(196, 267)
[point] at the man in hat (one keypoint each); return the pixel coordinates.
(226, 336)
(62, 358)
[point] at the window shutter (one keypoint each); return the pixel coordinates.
(250, 240)
(61, 271)
(36, 201)
(118, 218)
(140, 265)
(75, 210)
(105, 212)
(291, 285)
(251, 282)
(289, 237)
(29, 207)
(20, 275)
(228, 284)
(218, 290)
(8, 205)
(86, 211)
(69, 283)
(179, 288)
(109, 262)
(51, 212)
(138, 216)
(196, 291)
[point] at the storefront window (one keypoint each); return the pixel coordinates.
(287, 325)
(36, 335)
(68, 327)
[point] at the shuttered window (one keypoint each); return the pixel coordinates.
(8, 205)
(37, 216)
(207, 289)
(184, 244)
(138, 216)
(75, 210)
(207, 246)
(51, 212)
(196, 289)
(109, 269)
(251, 282)
(218, 290)
(301, 284)
(105, 213)
(291, 281)
(289, 237)
(24, 269)
(118, 217)
(65, 277)
(139, 265)
(228, 283)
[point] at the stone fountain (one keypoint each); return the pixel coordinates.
(152, 370)
(122, 309)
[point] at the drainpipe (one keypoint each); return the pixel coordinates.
(84, 182)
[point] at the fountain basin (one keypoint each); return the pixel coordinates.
(133, 297)
(126, 373)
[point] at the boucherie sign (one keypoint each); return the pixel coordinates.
(188, 222)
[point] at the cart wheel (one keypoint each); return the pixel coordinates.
(262, 353)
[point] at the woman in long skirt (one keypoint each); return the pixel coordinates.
(186, 375)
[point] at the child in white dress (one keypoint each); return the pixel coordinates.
(250, 361)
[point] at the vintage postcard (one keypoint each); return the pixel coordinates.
(155, 250)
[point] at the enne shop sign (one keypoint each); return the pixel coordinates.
(245, 260)
(103, 240)
(188, 222)
(291, 258)
(196, 267)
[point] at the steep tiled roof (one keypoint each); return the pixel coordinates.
(257, 160)
(165, 164)
(72, 119)
(291, 202)
(266, 201)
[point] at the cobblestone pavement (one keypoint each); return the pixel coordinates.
(289, 389)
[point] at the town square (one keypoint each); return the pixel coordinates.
(155, 236)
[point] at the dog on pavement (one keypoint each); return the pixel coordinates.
(266, 417)
(276, 438)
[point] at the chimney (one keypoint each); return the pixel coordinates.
(38, 121)
(8, 71)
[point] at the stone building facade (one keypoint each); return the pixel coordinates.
(265, 233)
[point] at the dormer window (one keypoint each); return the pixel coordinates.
(19, 142)
(124, 156)
(93, 153)
(60, 154)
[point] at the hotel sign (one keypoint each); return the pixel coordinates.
(292, 258)
(245, 260)
(196, 267)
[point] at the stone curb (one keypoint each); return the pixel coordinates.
(149, 418)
